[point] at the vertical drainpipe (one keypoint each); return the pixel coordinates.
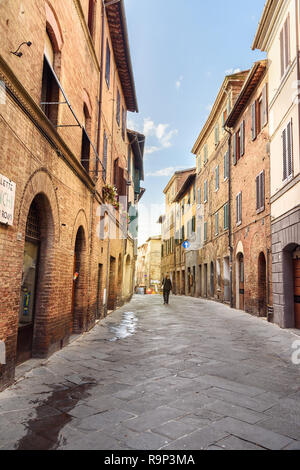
(229, 214)
(99, 135)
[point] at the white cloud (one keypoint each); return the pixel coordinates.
(232, 71)
(158, 137)
(165, 171)
(161, 130)
(150, 150)
(179, 82)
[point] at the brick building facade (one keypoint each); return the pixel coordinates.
(173, 263)
(250, 231)
(63, 139)
(212, 188)
(278, 35)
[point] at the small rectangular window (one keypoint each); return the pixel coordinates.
(123, 122)
(260, 192)
(287, 144)
(285, 54)
(107, 68)
(217, 178)
(205, 192)
(205, 231)
(239, 209)
(226, 216)
(118, 107)
(226, 168)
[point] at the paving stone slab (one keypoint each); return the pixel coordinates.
(254, 434)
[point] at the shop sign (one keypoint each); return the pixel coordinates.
(7, 200)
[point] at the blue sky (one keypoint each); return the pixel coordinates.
(181, 51)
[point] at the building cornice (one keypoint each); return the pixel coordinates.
(228, 81)
(86, 32)
(269, 17)
(285, 188)
(40, 120)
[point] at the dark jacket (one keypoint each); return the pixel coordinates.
(167, 285)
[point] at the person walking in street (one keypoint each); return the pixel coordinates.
(167, 287)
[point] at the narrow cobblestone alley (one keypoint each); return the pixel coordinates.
(188, 376)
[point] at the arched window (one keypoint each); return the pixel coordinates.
(85, 144)
(50, 87)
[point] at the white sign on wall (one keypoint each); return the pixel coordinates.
(7, 200)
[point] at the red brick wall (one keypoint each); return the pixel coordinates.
(254, 234)
(68, 194)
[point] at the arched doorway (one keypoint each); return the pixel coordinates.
(296, 273)
(111, 301)
(240, 282)
(262, 285)
(36, 267)
(291, 286)
(120, 278)
(79, 287)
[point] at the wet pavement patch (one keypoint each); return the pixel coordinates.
(126, 328)
(51, 416)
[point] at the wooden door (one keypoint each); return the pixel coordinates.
(241, 283)
(297, 292)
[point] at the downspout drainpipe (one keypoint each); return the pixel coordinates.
(229, 214)
(100, 99)
(93, 195)
(110, 218)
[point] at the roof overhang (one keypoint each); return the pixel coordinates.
(229, 79)
(115, 12)
(137, 142)
(176, 175)
(268, 17)
(255, 75)
(186, 185)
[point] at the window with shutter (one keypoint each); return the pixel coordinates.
(264, 106)
(217, 178)
(289, 150)
(205, 231)
(254, 123)
(217, 135)
(194, 224)
(239, 209)
(282, 52)
(199, 196)
(205, 191)
(285, 54)
(123, 122)
(260, 192)
(234, 149)
(242, 139)
(107, 68)
(118, 107)
(287, 144)
(226, 169)
(226, 216)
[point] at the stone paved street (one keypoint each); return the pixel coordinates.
(192, 375)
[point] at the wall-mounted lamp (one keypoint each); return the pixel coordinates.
(19, 54)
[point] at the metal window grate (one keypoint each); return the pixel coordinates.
(33, 223)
